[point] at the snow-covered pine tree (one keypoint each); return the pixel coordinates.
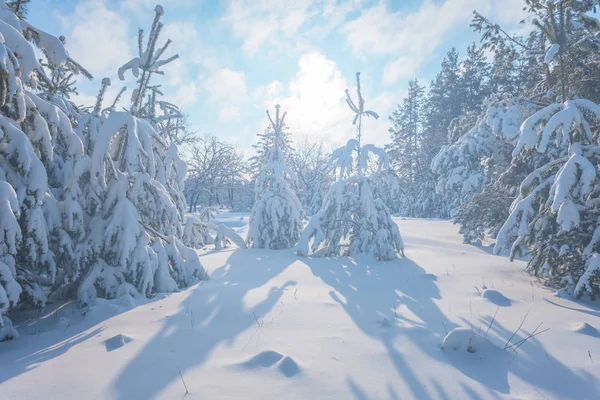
(265, 143)
(352, 221)
(136, 176)
(482, 214)
(276, 217)
(480, 155)
(557, 215)
(38, 152)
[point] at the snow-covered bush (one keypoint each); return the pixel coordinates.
(198, 230)
(352, 220)
(557, 214)
(276, 217)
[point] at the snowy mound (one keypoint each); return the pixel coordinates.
(496, 297)
(562, 293)
(269, 358)
(7, 331)
(466, 340)
(116, 342)
(288, 367)
(585, 329)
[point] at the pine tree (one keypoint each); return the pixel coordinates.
(555, 216)
(405, 149)
(352, 221)
(276, 217)
(134, 243)
(479, 156)
(264, 144)
(38, 152)
(444, 103)
(19, 7)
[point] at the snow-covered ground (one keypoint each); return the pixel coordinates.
(270, 325)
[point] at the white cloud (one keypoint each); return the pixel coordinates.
(185, 94)
(227, 88)
(182, 75)
(189, 46)
(229, 112)
(417, 35)
(226, 84)
(259, 21)
(103, 36)
(315, 101)
(402, 67)
(285, 25)
(98, 38)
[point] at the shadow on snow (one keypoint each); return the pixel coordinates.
(212, 315)
(383, 300)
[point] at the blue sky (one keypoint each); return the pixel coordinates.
(240, 57)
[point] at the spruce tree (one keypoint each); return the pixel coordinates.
(276, 217)
(406, 147)
(134, 243)
(39, 152)
(352, 220)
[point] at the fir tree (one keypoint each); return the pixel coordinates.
(352, 221)
(134, 245)
(276, 217)
(39, 151)
(406, 147)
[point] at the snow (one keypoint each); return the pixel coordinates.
(551, 53)
(466, 340)
(496, 297)
(270, 358)
(269, 324)
(116, 342)
(585, 329)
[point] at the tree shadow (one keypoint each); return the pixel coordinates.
(29, 352)
(46, 334)
(489, 249)
(387, 300)
(530, 362)
(396, 299)
(590, 309)
(360, 394)
(212, 315)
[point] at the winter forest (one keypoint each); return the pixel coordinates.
(143, 256)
